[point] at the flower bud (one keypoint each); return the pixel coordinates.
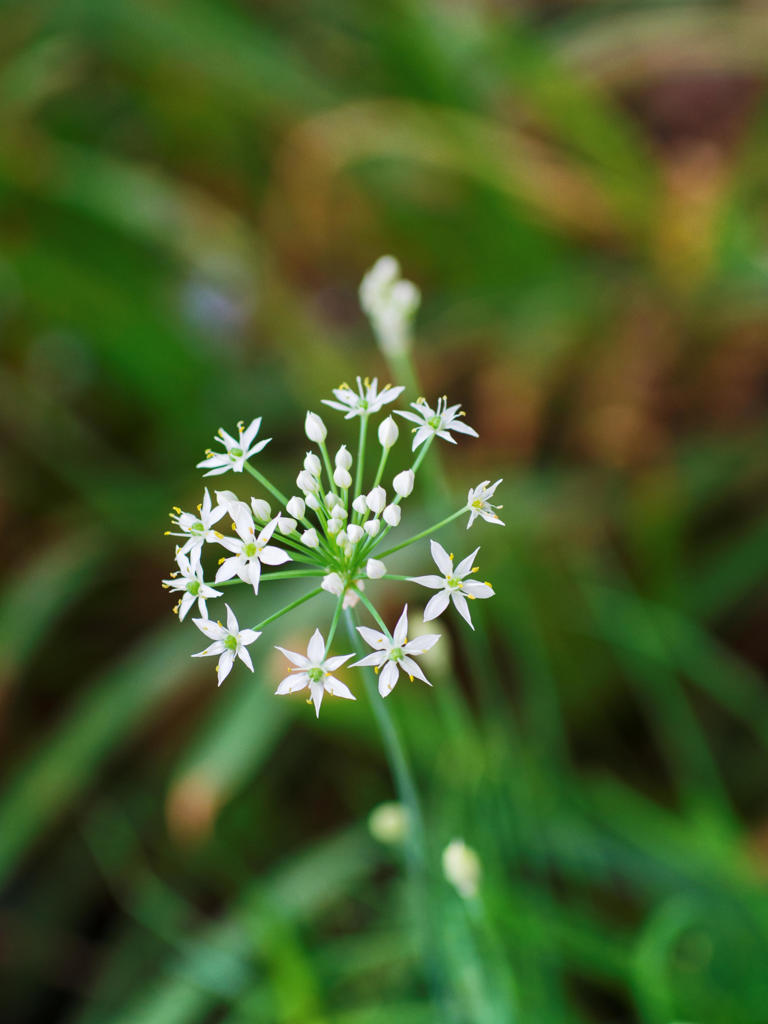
(375, 569)
(312, 464)
(331, 499)
(285, 525)
(313, 502)
(339, 512)
(342, 478)
(376, 499)
(333, 525)
(306, 482)
(388, 432)
(295, 507)
(372, 527)
(341, 538)
(314, 428)
(461, 867)
(388, 823)
(355, 533)
(310, 538)
(261, 510)
(343, 458)
(392, 515)
(333, 583)
(360, 506)
(403, 483)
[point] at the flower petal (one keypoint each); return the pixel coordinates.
(226, 661)
(248, 636)
(331, 664)
(372, 636)
(215, 648)
(465, 565)
(293, 683)
(387, 678)
(337, 688)
(420, 644)
(436, 605)
(271, 555)
(414, 670)
(376, 658)
(436, 582)
(227, 569)
(461, 606)
(213, 630)
(317, 690)
(401, 629)
(316, 648)
(294, 657)
(478, 589)
(442, 559)
(245, 657)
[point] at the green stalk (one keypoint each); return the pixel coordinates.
(289, 607)
(334, 623)
(274, 491)
(327, 464)
(361, 453)
(424, 533)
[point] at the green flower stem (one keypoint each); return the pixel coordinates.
(380, 622)
(327, 464)
(290, 574)
(334, 623)
(424, 533)
(289, 607)
(360, 455)
(382, 463)
(274, 491)
(396, 757)
(375, 541)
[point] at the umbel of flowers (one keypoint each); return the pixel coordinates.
(333, 532)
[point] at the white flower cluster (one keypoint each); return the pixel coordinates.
(332, 533)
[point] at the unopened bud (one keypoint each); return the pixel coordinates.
(333, 525)
(359, 505)
(295, 507)
(392, 515)
(403, 483)
(375, 569)
(262, 510)
(461, 866)
(313, 502)
(312, 464)
(342, 478)
(306, 482)
(388, 432)
(355, 533)
(285, 525)
(339, 512)
(343, 458)
(310, 538)
(314, 428)
(372, 527)
(376, 499)
(388, 823)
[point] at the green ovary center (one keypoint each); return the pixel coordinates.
(454, 582)
(197, 527)
(315, 675)
(477, 503)
(250, 550)
(396, 654)
(435, 422)
(193, 587)
(237, 452)
(231, 643)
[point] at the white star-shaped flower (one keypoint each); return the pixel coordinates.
(452, 585)
(315, 671)
(237, 450)
(392, 655)
(478, 503)
(436, 422)
(188, 581)
(249, 551)
(197, 529)
(229, 642)
(366, 400)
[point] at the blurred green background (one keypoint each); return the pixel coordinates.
(190, 193)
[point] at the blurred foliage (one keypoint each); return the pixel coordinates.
(189, 194)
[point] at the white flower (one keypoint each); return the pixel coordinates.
(360, 505)
(295, 507)
(461, 867)
(230, 502)
(376, 500)
(310, 538)
(286, 525)
(355, 533)
(312, 464)
(306, 482)
(314, 671)
(436, 422)
(403, 483)
(314, 428)
(391, 303)
(365, 401)
(188, 581)
(249, 552)
(375, 569)
(393, 654)
(237, 450)
(452, 585)
(229, 643)
(478, 503)
(197, 529)
(342, 478)
(392, 515)
(388, 432)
